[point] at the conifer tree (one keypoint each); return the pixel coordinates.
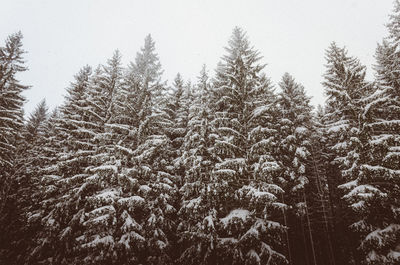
(197, 215)
(246, 173)
(294, 127)
(11, 124)
(374, 194)
(346, 88)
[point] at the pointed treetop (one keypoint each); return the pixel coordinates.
(12, 52)
(178, 81)
(114, 63)
(394, 22)
(40, 109)
(78, 87)
(202, 79)
(147, 66)
(35, 124)
(341, 67)
(289, 85)
(294, 91)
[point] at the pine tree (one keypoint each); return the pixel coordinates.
(99, 188)
(177, 112)
(44, 194)
(66, 159)
(246, 172)
(346, 88)
(374, 194)
(293, 153)
(11, 124)
(154, 156)
(28, 162)
(318, 193)
(197, 214)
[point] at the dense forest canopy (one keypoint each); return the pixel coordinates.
(225, 170)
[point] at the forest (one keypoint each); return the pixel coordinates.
(230, 169)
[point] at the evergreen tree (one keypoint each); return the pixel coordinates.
(197, 228)
(67, 158)
(28, 161)
(346, 88)
(374, 193)
(318, 193)
(11, 124)
(246, 172)
(293, 153)
(99, 188)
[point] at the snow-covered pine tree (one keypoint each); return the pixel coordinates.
(154, 159)
(197, 214)
(175, 116)
(103, 183)
(346, 90)
(245, 175)
(27, 186)
(176, 113)
(294, 127)
(11, 124)
(46, 192)
(374, 194)
(64, 159)
(74, 127)
(318, 194)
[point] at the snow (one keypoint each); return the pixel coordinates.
(280, 205)
(235, 214)
(129, 223)
(380, 169)
(358, 205)
(338, 128)
(301, 130)
(349, 185)
(380, 236)
(252, 254)
(228, 172)
(107, 240)
(225, 240)
(111, 168)
(144, 188)
(193, 203)
(132, 201)
(252, 232)
(107, 195)
(394, 255)
(260, 110)
(210, 221)
(101, 219)
(103, 209)
(302, 152)
(127, 238)
(124, 149)
(364, 191)
(372, 256)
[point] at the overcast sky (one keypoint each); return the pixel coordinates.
(292, 35)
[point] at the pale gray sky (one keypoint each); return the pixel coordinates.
(292, 35)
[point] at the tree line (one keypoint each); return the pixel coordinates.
(226, 170)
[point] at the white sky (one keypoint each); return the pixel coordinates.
(292, 35)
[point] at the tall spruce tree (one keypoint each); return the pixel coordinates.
(346, 89)
(11, 124)
(294, 127)
(246, 172)
(374, 194)
(197, 214)
(70, 135)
